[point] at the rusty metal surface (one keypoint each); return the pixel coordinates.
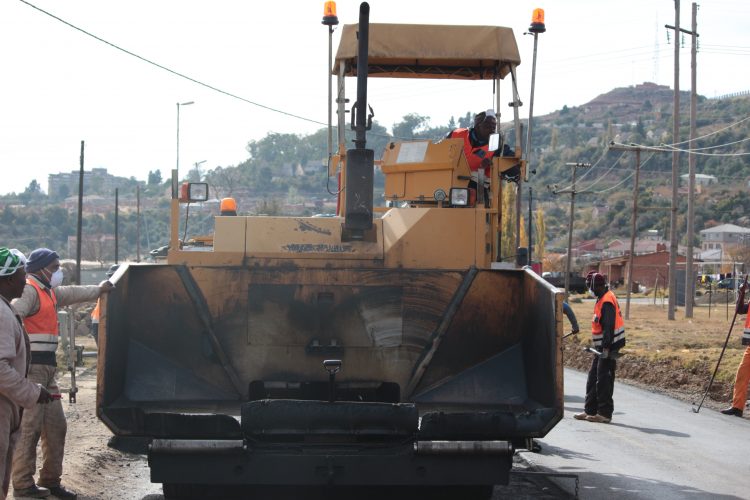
(165, 350)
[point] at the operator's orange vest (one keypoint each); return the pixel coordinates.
(597, 332)
(42, 326)
(746, 331)
(474, 159)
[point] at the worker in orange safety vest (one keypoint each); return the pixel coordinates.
(38, 306)
(476, 141)
(96, 312)
(742, 378)
(608, 335)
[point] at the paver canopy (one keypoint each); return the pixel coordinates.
(431, 51)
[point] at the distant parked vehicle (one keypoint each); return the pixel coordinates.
(730, 283)
(576, 283)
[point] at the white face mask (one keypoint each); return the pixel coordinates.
(591, 293)
(56, 279)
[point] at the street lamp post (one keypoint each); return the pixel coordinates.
(178, 139)
(198, 169)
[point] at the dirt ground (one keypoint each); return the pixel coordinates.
(92, 469)
(673, 357)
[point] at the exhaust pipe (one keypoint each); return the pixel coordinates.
(360, 162)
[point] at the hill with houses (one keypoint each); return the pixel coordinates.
(284, 175)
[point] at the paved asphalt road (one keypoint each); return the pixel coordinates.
(655, 448)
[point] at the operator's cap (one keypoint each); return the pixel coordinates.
(594, 278)
(40, 258)
(490, 113)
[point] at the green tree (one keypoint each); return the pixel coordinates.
(154, 178)
(410, 127)
(32, 194)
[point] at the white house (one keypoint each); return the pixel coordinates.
(724, 237)
(700, 179)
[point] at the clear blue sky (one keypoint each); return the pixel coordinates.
(59, 86)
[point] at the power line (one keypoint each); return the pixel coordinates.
(711, 133)
(601, 177)
(604, 153)
(693, 151)
(626, 178)
(174, 72)
(191, 79)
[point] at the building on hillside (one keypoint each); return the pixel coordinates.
(622, 247)
(599, 211)
(95, 181)
(93, 204)
(94, 247)
(725, 237)
(648, 268)
(700, 179)
(587, 248)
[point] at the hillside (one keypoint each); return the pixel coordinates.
(639, 114)
(283, 174)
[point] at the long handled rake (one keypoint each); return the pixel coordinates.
(729, 333)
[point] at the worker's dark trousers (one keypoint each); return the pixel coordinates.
(599, 387)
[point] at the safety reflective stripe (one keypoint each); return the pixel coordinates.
(619, 334)
(746, 336)
(43, 341)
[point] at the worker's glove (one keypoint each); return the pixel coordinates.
(513, 174)
(575, 331)
(44, 396)
(105, 286)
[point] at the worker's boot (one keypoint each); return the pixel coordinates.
(32, 491)
(601, 419)
(732, 411)
(582, 416)
(60, 492)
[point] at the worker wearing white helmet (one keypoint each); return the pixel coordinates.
(16, 391)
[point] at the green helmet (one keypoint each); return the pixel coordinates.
(10, 261)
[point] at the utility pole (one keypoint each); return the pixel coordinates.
(633, 220)
(79, 225)
(137, 223)
(675, 165)
(689, 278)
(117, 211)
(572, 192)
(689, 282)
